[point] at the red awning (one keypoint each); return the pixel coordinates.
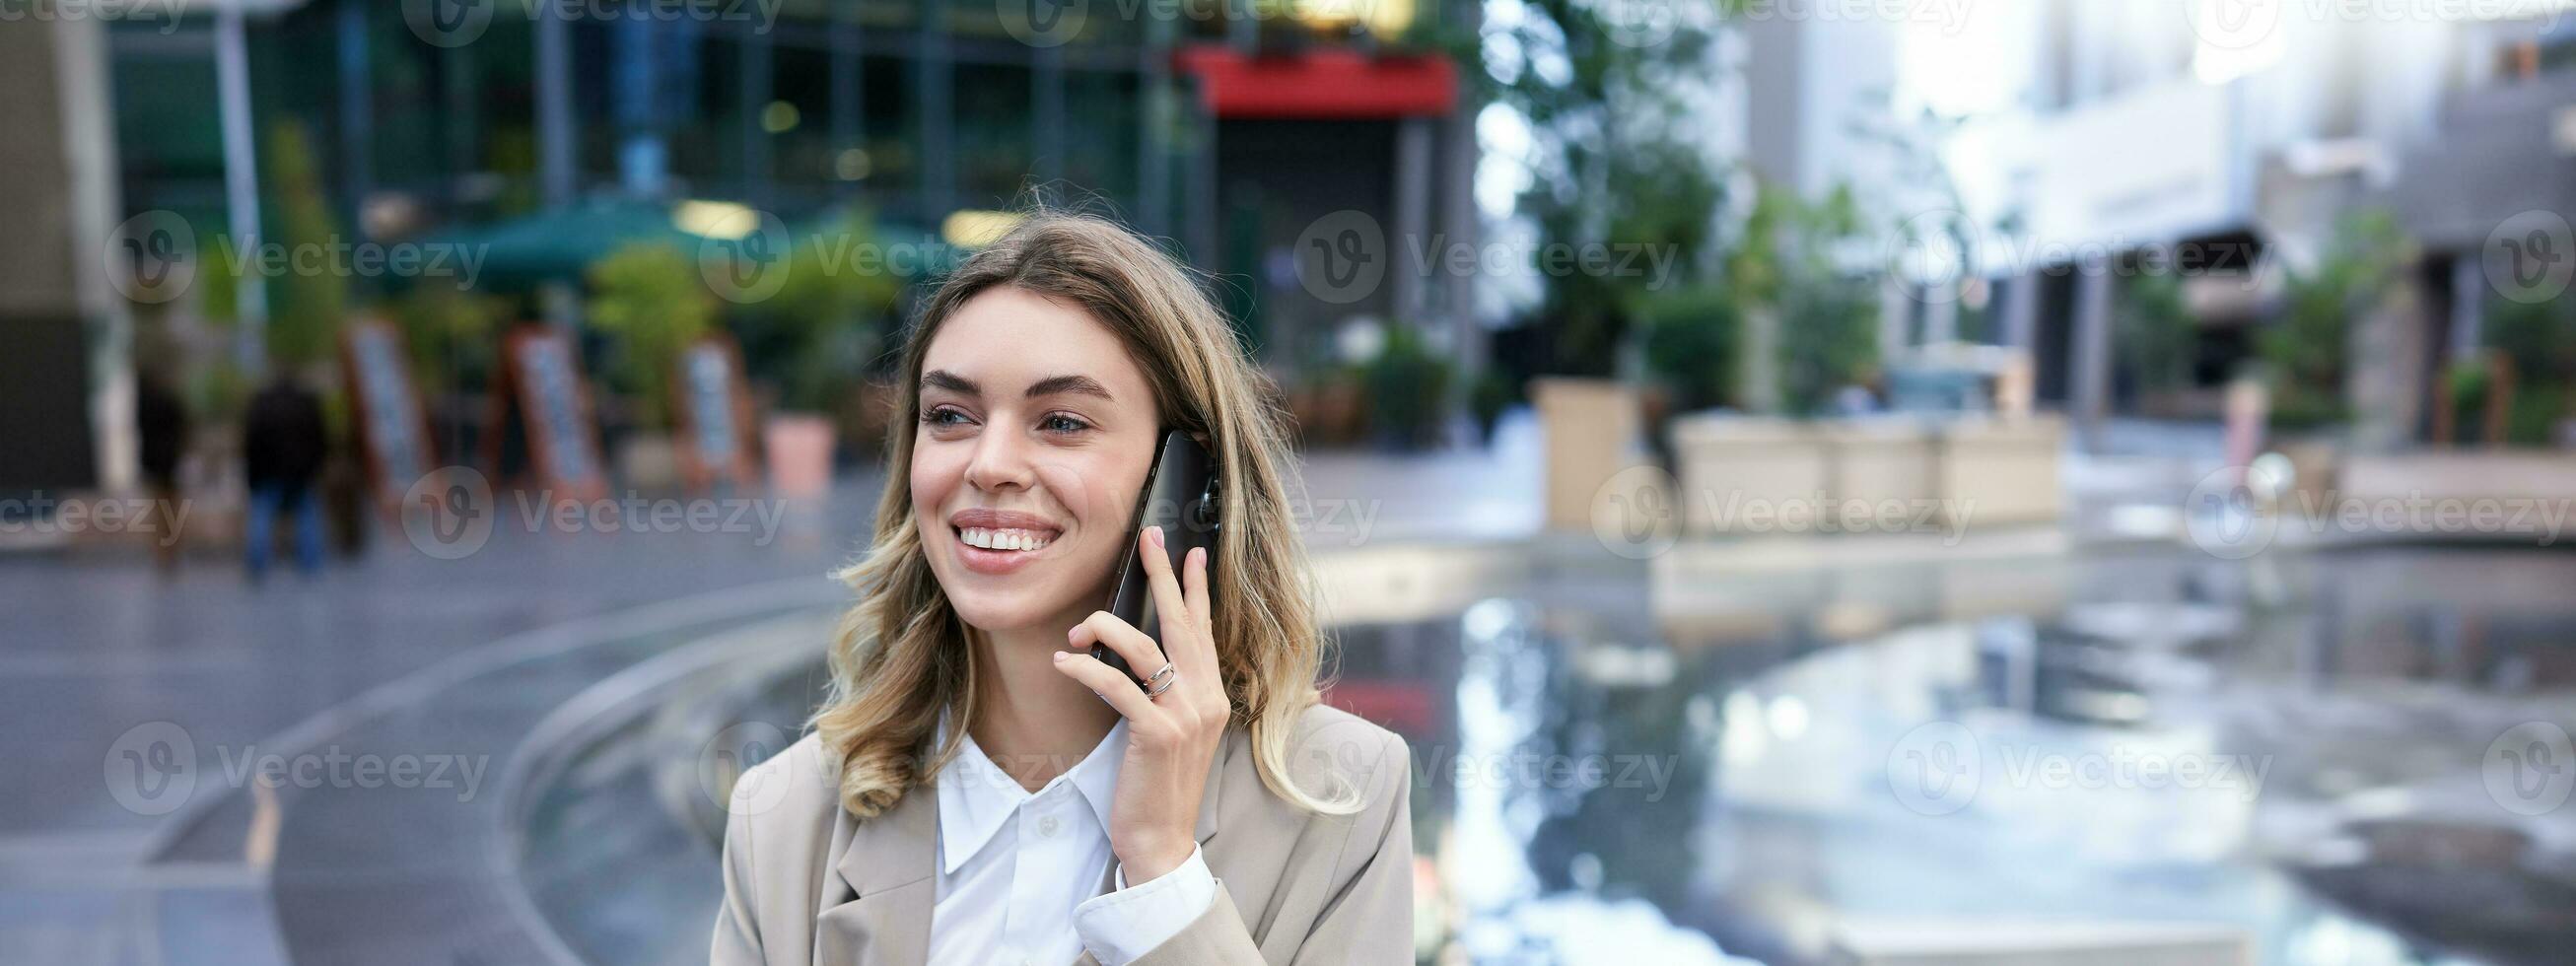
(1326, 83)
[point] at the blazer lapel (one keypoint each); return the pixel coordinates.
(887, 864)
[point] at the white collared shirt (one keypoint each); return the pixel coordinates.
(1019, 872)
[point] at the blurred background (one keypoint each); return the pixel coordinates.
(1816, 481)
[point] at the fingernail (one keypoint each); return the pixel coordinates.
(1198, 556)
(1155, 534)
(1060, 656)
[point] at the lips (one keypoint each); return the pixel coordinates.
(1000, 541)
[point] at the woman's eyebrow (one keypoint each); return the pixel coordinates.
(1053, 385)
(1049, 386)
(944, 379)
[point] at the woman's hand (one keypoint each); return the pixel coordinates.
(1172, 738)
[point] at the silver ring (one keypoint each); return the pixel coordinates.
(1166, 684)
(1163, 675)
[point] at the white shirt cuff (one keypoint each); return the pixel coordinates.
(1122, 926)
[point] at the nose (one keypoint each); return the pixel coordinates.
(1001, 461)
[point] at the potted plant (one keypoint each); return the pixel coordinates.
(812, 344)
(648, 299)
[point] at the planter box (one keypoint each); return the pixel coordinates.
(800, 454)
(1771, 476)
(1589, 425)
(1885, 470)
(649, 460)
(2002, 471)
(1730, 464)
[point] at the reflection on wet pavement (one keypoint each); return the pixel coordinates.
(2129, 755)
(2275, 759)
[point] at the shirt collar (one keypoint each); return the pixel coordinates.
(976, 796)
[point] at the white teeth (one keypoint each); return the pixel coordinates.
(991, 539)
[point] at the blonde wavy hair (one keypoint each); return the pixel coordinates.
(902, 656)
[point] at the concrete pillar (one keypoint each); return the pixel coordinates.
(2020, 328)
(241, 180)
(1941, 313)
(67, 381)
(1413, 188)
(2089, 383)
(555, 146)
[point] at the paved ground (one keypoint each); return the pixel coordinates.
(102, 657)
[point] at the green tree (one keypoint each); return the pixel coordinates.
(312, 292)
(1604, 88)
(2156, 326)
(2304, 353)
(648, 296)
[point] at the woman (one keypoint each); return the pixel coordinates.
(1074, 817)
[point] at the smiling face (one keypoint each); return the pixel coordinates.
(1036, 432)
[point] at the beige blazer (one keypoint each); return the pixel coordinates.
(808, 884)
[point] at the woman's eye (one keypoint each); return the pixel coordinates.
(944, 416)
(1061, 423)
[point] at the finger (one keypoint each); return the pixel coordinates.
(1142, 657)
(1194, 580)
(1174, 609)
(1106, 682)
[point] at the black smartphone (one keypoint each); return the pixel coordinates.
(1181, 496)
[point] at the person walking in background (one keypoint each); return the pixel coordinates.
(282, 444)
(161, 428)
